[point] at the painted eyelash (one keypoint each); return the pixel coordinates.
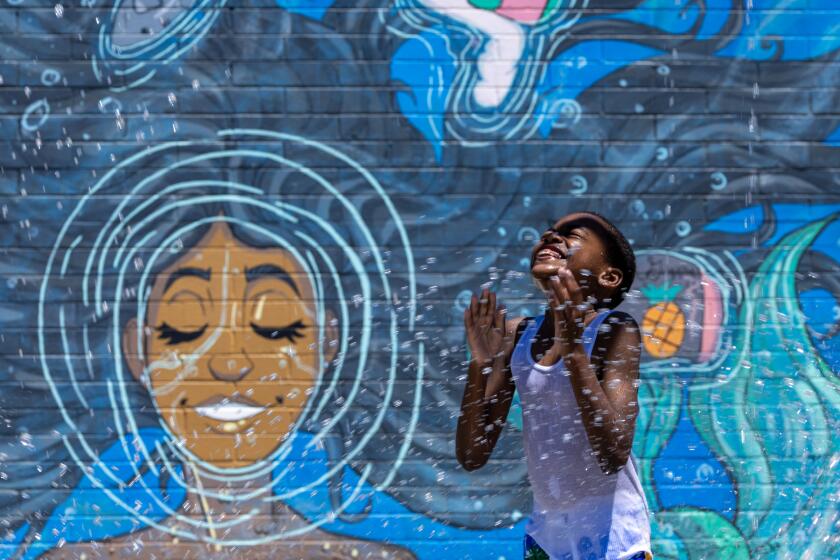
(174, 336)
(289, 332)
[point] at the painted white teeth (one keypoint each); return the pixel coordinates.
(229, 412)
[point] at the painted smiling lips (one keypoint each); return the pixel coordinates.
(228, 409)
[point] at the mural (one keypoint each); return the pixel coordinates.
(238, 239)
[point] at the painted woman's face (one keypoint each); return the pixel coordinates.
(231, 347)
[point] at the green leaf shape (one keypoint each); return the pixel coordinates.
(486, 4)
(773, 420)
(700, 535)
(661, 294)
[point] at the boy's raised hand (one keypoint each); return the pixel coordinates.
(485, 326)
(570, 310)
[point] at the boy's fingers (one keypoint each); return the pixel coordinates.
(500, 318)
(562, 293)
(554, 295)
(473, 308)
(492, 304)
(569, 309)
(573, 288)
(484, 302)
(554, 282)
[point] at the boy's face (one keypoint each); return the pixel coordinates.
(574, 242)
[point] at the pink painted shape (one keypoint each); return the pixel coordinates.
(525, 11)
(712, 318)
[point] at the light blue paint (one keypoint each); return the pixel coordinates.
(748, 220)
(833, 138)
(806, 30)
(717, 11)
(821, 311)
(14, 539)
(177, 38)
(425, 65)
(793, 216)
(578, 68)
(71, 521)
(378, 515)
(668, 15)
(676, 468)
(313, 9)
(677, 16)
(827, 242)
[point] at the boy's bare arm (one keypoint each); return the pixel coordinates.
(489, 390)
(608, 407)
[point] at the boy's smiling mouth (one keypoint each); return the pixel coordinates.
(550, 252)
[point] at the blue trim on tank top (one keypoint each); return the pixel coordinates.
(588, 337)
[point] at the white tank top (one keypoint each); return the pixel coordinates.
(580, 513)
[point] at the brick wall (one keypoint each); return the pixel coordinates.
(238, 238)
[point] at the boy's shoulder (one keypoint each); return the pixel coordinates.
(618, 332)
(618, 317)
(618, 324)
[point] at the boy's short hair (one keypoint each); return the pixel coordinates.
(620, 255)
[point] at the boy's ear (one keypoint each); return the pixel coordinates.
(331, 338)
(135, 357)
(610, 278)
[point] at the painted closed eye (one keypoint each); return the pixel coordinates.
(175, 336)
(289, 332)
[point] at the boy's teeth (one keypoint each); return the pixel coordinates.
(551, 252)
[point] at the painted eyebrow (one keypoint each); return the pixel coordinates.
(273, 271)
(203, 273)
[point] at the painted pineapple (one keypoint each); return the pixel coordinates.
(663, 325)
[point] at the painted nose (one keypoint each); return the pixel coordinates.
(230, 367)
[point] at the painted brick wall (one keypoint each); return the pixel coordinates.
(237, 240)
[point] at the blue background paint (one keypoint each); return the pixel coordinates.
(706, 131)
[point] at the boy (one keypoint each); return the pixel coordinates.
(577, 370)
